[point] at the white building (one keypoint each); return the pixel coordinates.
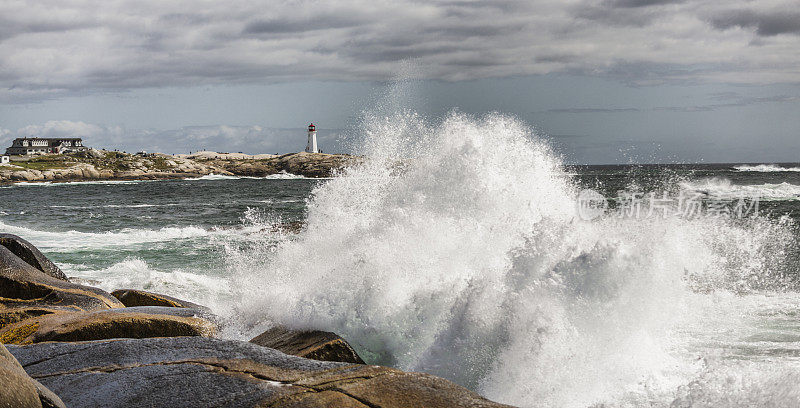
(45, 145)
(4, 159)
(311, 147)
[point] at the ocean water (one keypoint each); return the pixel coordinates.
(460, 250)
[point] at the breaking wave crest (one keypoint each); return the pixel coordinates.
(765, 168)
(277, 176)
(72, 183)
(212, 291)
(455, 249)
(66, 241)
(724, 189)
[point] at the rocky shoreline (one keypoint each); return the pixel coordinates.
(73, 345)
(96, 165)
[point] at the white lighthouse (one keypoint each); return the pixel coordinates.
(311, 147)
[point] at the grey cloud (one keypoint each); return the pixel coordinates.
(593, 110)
(616, 15)
(643, 73)
(737, 102)
(766, 23)
(10, 28)
(53, 48)
(724, 95)
(560, 58)
(706, 108)
(384, 53)
(640, 3)
(471, 62)
(186, 18)
(467, 30)
(311, 23)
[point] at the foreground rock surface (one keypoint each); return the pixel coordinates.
(313, 344)
(31, 255)
(23, 285)
(18, 390)
(203, 372)
(132, 322)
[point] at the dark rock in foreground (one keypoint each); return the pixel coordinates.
(130, 322)
(31, 255)
(21, 283)
(18, 390)
(203, 372)
(313, 344)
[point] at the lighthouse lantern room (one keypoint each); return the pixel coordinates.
(311, 147)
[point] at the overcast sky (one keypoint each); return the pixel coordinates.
(605, 80)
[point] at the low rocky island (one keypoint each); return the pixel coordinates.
(73, 345)
(95, 164)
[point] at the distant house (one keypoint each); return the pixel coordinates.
(4, 159)
(45, 145)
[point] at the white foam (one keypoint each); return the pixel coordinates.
(724, 189)
(72, 183)
(66, 241)
(283, 175)
(218, 177)
(277, 176)
(134, 273)
(116, 206)
(765, 168)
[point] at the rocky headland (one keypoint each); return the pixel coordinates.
(111, 165)
(73, 345)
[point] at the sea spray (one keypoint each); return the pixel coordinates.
(456, 249)
(722, 188)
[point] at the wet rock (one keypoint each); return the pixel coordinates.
(31, 255)
(132, 322)
(313, 344)
(205, 372)
(23, 284)
(136, 297)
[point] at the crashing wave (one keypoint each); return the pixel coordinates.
(468, 261)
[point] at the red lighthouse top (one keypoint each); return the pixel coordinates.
(311, 128)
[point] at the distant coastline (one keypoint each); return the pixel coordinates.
(111, 165)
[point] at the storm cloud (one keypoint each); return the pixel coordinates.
(767, 24)
(51, 48)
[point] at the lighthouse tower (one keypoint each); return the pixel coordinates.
(311, 147)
